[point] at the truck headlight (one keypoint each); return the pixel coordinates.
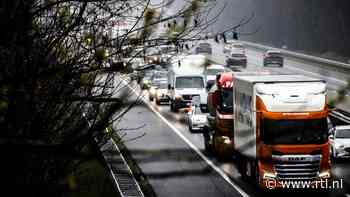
(325, 175)
(227, 140)
(269, 175)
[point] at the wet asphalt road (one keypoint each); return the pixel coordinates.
(174, 168)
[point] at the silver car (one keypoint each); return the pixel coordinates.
(340, 142)
(196, 120)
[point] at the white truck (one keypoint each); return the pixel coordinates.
(185, 80)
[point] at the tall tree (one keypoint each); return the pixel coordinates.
(59, 60)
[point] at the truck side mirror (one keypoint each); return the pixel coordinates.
(169, 86)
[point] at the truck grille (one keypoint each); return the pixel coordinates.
(188, 97)
(297, 167)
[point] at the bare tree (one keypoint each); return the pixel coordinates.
(62, 63)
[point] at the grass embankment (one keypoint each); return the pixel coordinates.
(91, 179)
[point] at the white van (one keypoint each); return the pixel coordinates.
(186, 80)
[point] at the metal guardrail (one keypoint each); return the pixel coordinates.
(341, 115)
(300, 55)
(120, 171)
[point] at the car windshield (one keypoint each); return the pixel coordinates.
(167, 49)
(238, 46)
(274, 54)
(313, 131)
(189, 82)
(204, 45)
(214, 71)
(197, 111)
(163, 86)
(237, 55)
(342, 133)
(160, 75)
(226, 103)
(148, 74)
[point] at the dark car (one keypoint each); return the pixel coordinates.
(273, 58)
(204, 48)
(236, 60)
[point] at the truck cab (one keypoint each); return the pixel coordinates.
(280, 128)
(220, 118)
(186, 80)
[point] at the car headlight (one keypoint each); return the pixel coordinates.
(158, 94)
(325, 175)
(339, 146)
(178, 97)
(152, 90)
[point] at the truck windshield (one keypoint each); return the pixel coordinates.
(312, 131)
(226, 103)
(214, 71)
(189, 82)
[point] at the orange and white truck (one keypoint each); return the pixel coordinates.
(280, 128)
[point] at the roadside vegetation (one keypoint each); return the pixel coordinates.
(58, 63)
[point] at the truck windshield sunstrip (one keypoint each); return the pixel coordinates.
(312, 131)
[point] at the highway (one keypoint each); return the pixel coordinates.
(174, 159)
(335, 79)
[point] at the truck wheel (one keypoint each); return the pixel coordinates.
(333, 155)
(190, 128)
(172, 106)
(242, 167)
(207, 144)
(176, 109)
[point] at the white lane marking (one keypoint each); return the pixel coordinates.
(188, 142)
(347, 195)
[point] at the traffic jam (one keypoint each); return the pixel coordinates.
(272, 126)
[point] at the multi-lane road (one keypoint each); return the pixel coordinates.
(174, 160)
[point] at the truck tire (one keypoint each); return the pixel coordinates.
(207, 144)
(242, 166)
(176, 109)
(172, 108)
(190, 128)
